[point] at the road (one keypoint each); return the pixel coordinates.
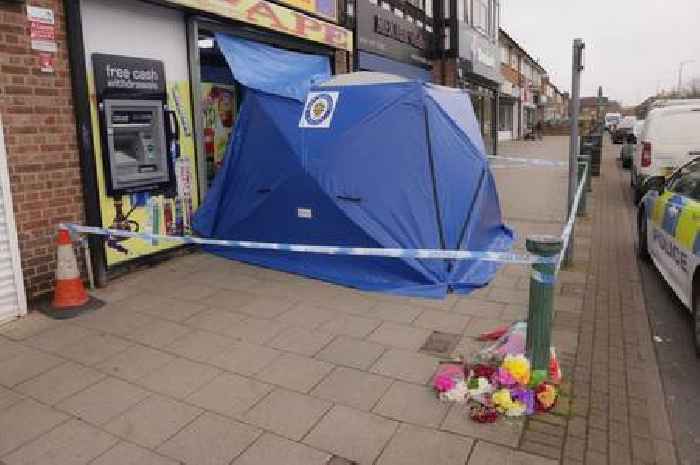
(679, 367)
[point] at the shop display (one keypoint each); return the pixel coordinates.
(218, 109)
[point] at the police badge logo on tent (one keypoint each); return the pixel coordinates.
(319, 109)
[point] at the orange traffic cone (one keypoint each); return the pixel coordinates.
(69, 291)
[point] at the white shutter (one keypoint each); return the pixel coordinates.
(13, 302)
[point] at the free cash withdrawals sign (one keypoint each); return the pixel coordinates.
(277, 17)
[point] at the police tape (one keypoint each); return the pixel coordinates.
(527, 161)
(503, 257)
(569, 227)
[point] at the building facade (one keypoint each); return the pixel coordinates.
(393, 36)
(527, 94)
(468, 57)
(77, 76)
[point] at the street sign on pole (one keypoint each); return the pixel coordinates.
(577, 64)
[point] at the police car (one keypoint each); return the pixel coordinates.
(669, 233)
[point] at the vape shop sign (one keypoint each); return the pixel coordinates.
(42, 24)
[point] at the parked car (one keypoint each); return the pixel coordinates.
(669, 138)
(630, 144)
(623, 129)
(611, 121)
(668, 226)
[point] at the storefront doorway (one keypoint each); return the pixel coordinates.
(218, 95)
(484, 103)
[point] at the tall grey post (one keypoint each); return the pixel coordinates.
(574, 109)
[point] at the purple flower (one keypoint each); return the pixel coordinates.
(527, 397)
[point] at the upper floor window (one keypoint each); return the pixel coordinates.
(480, 18)
(505, 56)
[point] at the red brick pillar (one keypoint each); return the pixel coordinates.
(43, 160)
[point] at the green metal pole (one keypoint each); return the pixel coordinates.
(539, 320)
(582, 203)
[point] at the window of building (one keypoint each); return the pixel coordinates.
(496, 18)
(480, 19)
(504, 54)
(460, 11)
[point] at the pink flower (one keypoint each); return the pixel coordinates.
(504, 377)
(443, 383)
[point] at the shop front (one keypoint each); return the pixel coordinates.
(156, 102)
(508, 120)
(394, 37)
(478, 69)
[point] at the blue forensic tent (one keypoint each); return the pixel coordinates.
(401, 165)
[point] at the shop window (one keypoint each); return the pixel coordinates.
(505, 117)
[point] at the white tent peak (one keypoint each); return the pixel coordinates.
(360, 78)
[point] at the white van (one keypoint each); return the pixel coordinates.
(670, 137)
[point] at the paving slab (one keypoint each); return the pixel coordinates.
(72, 443)
(295, 372)
(287, 413)
(152, 421)
(353, 388)
(354, 353)
(126, 453)
(60, 382)
(100, 402)
(210, 440)
(230, 394)
(412, 403)
(405, 365)
(179, 378)
(24, 421)
(352, 434)
(486, 453)
(301, 341)
(399, 336)
(26, 365)
(271, 449)
(412, 445)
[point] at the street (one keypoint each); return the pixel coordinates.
(679, 367)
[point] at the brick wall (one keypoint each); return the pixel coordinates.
(42, 152)
(445, 74)
(511, 75)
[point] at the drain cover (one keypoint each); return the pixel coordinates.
(439, 343)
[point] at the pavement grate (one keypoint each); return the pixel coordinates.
(440, 343)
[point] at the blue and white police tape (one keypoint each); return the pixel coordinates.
(503, 257)
(569, 227)
(527, 161)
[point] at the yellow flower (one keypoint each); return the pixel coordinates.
(501, 400)
(519, 368)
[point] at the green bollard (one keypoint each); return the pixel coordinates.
(587, 160)
(539, 319)
(582, 203)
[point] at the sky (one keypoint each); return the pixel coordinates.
(633, 48)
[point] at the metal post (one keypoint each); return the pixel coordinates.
(581, 211)
(575, 107)
(88, 262)
(539, 319)
(587, 160)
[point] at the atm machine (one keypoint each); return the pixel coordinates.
(139, 134)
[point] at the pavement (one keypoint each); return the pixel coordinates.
(202, 360)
